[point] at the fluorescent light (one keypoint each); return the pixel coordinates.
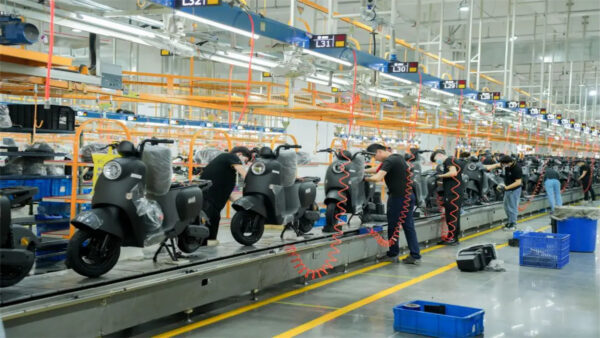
(246, 58)
(478, 102)
(237, 63)
(115, 25)
(147, 21)
(388, 92)
(75, 30)
(441, 92)
(463, 6)
(429, 102)
(593, 93)
(396, 78)
(327, 57)
(216, 24)
(333, 79)
(317, 81)
(462, 110)
(513, 38)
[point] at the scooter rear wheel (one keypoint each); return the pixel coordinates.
(187, 244)
(93, 254)
(247, 227)
(11, 275)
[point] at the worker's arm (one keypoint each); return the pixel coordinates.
(515, 184)
(378, 177)
(489, 167)
(452, 172)
(371, 170)
(240, 169)
(583, 175)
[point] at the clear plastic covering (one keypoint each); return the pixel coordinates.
(55, 170)
(9, 142)
(159, 169)
(287, 159)
(89, 218)
(359, 161)
(40, 147)
(152, 213)
(564, 212)
(205, 156)
(5, 121)
(93, 148)
(13, 167)
(303, 158)
(36, 168)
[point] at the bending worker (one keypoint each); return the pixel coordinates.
(552, 185)
(586, 180)
(222, 172)
(395, 171)
(513, 179)
(453, 195)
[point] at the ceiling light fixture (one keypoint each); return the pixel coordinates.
(593, 92)
(216, 24)
(327, 57)
(441, 92)
(423, 101)
(513, 38)
(483, 104)
(395, 78)
(114, 25)
(463, 6)
(237, 63)
(246, 58)
(317, 81)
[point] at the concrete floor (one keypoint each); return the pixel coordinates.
(520, 302)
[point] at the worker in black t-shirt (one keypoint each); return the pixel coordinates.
(585, 177)
(394, 170)
(513, 180)
(222, 172)
(453, 193)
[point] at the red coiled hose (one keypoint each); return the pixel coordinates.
(297, 260)
(536, 190)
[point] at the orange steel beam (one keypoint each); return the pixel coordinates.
(31, 58)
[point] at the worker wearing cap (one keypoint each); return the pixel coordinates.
(513, 180)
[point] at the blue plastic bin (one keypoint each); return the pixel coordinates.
(459, 321)
(582, 232)
(365, 230)
(544, 250)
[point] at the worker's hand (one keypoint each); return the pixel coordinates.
(501, 187)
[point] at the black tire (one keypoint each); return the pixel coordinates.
(247, 227)
(188, 244)
(84, 257)
(12, 275)
(304, 225)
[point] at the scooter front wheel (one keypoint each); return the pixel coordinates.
(247, 227)
(93, 254)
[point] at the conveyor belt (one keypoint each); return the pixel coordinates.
(138, 291)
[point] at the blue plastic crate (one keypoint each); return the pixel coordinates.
(459, 321)
(10, 183)
(61, 187)
(366, 230)
(544, 250)
(582, 232)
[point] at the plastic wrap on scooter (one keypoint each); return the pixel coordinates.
(5, 121)
(93, 148)
(205, 156)
(359, 160)
(302, 158)
(152, 213)
(159, 169)
(287, 159)
(89, 218)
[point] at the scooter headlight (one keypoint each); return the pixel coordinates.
(338, 168)
(112, 170)
(258, 168)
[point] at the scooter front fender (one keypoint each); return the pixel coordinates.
(105, 219)
(254, 203)
(333, 195)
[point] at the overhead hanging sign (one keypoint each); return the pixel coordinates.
(403, 67)
(534, 111)
(577, 126)
(516, 104)
(328, 41)
(488, 96)
(453, 84)
(196, 3)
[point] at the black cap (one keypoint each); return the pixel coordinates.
(434, 154)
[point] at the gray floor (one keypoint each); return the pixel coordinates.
(520, 302)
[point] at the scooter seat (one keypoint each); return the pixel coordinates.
(314, 179)
(203, 184)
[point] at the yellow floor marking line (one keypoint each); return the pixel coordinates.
(309, 305)
(274, 299)
(348, 308)
(368, 300)
(387, 275)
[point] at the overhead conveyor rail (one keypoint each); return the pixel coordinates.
(137, 292)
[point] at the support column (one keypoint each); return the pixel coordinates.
(479, 45)
(439, 70)
(504, 82)
(468, 44)
(512, 51)
(543, 52)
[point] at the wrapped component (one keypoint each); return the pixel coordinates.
(287, 159)
(564, 212)
(40, 147)
(359, 161)
(9, 142)
(303, 158)
(5, 121)
(13, 167)
(55, 170)
(159, 169)
(152, 213)
(205, 156)
(34, 167)
(93, 148)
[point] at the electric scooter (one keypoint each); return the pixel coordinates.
(125, 212)
(273, 195)
(17, 244)
(359, 194)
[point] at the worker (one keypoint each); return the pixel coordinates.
(394, 170)
(453, 193)
(585, 177)
(552, 185)
(513, 180)
(222, 172)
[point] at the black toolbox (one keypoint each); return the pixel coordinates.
(55, 118)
